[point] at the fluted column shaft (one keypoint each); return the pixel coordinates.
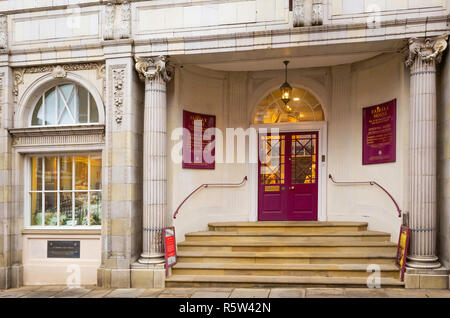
(424, 55)
(155, 74)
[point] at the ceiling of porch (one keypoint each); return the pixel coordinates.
(299, 57)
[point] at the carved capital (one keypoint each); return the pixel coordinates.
(299, 13)
(427, 50)
(150, 68)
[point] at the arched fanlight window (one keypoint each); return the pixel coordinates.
(303, 106)
(67, 104)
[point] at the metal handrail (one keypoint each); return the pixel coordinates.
(206, 185)
(370, 183)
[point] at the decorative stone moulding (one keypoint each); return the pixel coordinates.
(317, 12)
(118, 82)
(3, 32)
(299, 13)
(58, 71)
(121, 29)
(58, 136)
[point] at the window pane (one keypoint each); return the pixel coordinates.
(82, 105)
(50, 209)
(96, 172)
(65, 208)
(66, 90)
(50, 173)
(36, 174)
(96, 208)
(81, 208)
(81, 173)
(50, 108)
(36, 208)
(65, 167)
(93, 110)
(38, 114)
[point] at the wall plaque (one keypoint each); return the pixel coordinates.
(379, 133)
(63, 249)
(198, 141)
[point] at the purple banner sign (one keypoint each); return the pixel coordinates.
(379, 133)
(198, 141)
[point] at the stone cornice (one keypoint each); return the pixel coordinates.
(57, 136)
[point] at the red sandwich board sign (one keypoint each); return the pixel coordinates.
(402, 250)
(170, 247)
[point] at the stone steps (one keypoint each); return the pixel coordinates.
(287, 258)
(305, 270)
(291, 254)
(294, 246)
(288, 227)
(262, 236)
(271, 281)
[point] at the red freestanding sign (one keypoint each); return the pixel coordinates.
(402, 250)
(198, 141)
(379, 133)
(170, 247)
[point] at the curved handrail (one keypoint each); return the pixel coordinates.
(370, 183)
(206, 185)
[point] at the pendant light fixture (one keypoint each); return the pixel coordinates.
(286, 89)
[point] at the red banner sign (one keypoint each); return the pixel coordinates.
(198, 141)
(379, 133)
(170, 247)
(402, 249)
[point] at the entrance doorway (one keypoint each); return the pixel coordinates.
(288, 174)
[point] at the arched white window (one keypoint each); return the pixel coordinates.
(66, 104)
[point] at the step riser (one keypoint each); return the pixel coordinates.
(288, 249)
(276, 260)
(236, 239)
(337, 273)
(266, 285)
(286, 229)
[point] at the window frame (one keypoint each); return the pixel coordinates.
(27, 191)
(76, 97)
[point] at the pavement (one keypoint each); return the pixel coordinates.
(97, 292)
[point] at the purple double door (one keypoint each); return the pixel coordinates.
(288, 177)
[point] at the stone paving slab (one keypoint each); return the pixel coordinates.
(250, 293)
(125, 293)
(97, 292)
(325, 293)
(73, 293)
(287, 293)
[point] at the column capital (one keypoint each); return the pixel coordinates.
(150, 68)
(426, 49)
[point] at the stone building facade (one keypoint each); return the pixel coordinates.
(91, 92)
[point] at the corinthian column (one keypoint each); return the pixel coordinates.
(424, 54)
(155, 73)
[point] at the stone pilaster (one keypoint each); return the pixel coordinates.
(422, 60)
(155, 73)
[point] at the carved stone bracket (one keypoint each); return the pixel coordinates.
(58, 71)
(150, 68)
(108, 29)
(428, 49)
(299, 13)
(317, 12)
(125, 20)
(3, 32)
